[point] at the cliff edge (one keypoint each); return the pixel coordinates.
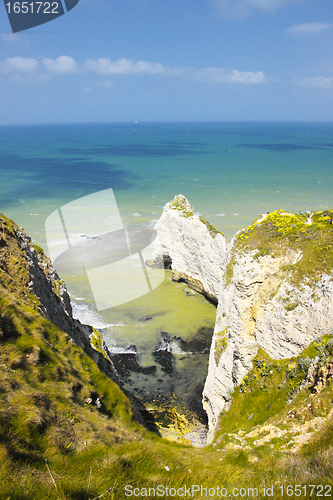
(272, 283)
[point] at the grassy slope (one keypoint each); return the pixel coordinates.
(281, 231)
(46, 384)
(57, 405)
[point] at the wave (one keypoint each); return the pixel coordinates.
(88, 316)
(76, 298)
(152, 223)
(176, 349)
(115, 349)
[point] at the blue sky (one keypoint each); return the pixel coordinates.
(171, 60)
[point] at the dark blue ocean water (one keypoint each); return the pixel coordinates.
(230, 172)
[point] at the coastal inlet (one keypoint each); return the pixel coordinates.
(160, 347)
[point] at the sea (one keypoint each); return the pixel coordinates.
(230, 173)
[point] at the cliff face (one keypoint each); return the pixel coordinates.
(273, 285)
(26, 272)
(197, 250)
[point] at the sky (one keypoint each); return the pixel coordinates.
(171, 60)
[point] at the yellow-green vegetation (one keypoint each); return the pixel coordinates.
(96, 342)
(267, 390)
(13, 268)
(288, 305)
(14, 265)
(221, 343)
(212, 230)
(55, 402)
(269, 417)
(229, 270)
(281, 231)
(180, 203)
(172, 424)
(39, 249)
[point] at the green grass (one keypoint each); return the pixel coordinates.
(14, 269)
(279, 233)
(96, 342)
(268, 387)
(47, 382)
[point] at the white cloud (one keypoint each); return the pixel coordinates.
(240, 9)
(103, 66)
(219, 75)
(123, 66)
(18, 64)
(128, 67)
(321, 82)
(86, 90)
(309, 29)
(64, 64)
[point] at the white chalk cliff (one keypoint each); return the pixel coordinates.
(259, 303)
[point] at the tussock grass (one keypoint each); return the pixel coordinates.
(45, 415)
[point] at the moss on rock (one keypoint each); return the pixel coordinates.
(280, 231)
(221, 343)
(181, 204)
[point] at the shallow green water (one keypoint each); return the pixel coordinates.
(171, 329)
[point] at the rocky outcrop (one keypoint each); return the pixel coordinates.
(196, 249)
(194, 284)
(268, 295)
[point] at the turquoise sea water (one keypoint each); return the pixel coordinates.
(230, 172)
(224, 169)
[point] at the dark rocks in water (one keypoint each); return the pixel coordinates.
(167, 262)
(165, 342)
(199, 344)
(163, 354)
(165, 359)
(127, 362)
(146, 318)
(195, 345)
(162, 262)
